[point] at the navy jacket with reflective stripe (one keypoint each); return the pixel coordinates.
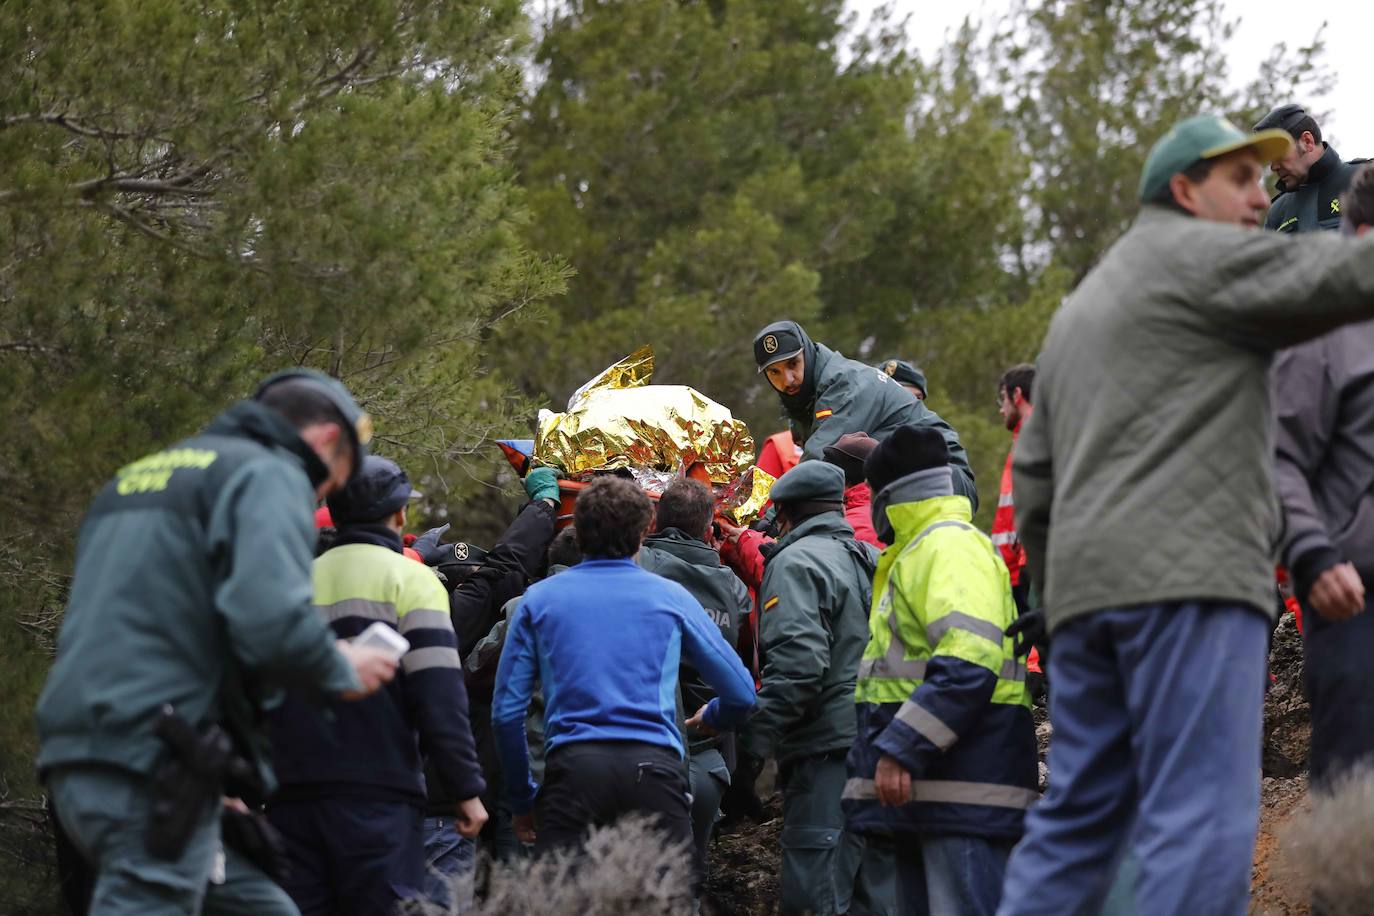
(372, 747)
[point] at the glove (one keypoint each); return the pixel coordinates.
(542, 483)
(1028, 631)
(767, 523)
(427, 545)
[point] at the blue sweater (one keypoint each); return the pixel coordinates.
(605, 640)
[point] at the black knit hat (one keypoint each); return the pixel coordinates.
(909, 449)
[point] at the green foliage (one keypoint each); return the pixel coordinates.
(1093, 84)
(709, 167)
(706, 168)
(194, 194)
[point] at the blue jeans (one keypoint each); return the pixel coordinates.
(950, 875)
(1157, 715)
(449, 861)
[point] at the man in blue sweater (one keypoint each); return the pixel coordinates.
(605, 640)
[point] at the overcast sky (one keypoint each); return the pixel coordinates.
(1350, 25)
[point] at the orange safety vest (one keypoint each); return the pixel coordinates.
(779, 454)
(1004, 522)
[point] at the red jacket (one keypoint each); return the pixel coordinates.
(745, 557)
(1004, 522)
(779, 454)
(858, 511)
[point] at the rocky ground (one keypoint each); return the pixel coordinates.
(744, 866)
(744, 858)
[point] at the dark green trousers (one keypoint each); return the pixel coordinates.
(709, 778)
(827, 870)
(104, 812)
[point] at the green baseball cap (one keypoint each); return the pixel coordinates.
(1204, 137)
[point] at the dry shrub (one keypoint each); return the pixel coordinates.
(1327, 852)
(624, 869)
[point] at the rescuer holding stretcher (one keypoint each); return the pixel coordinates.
(827, 395)
(814, 599)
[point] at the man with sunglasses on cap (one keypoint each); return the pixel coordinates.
(1311, 176)
(826, 395)
(352, 799)
(191, 598)
(1145, 500)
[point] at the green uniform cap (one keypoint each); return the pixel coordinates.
(903, 373)
(1204, 137)
(357, 422)
(810, 481)
(779, 341)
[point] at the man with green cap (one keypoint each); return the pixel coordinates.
(1311, 175)
(826, 395)
(814, 606)
(191, 600)
(1145, 501)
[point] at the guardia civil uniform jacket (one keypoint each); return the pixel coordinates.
(192, 583)
(697, 567)
(815, 595)
(1316, 203)
(939, 688)
(841, 395)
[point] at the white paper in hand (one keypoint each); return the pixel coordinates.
(381, 636)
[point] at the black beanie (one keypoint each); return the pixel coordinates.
(909, 449)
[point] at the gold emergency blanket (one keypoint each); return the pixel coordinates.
(743, 501)
(619, 420)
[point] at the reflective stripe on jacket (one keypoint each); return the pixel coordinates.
(939, 688)
(374, 743)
